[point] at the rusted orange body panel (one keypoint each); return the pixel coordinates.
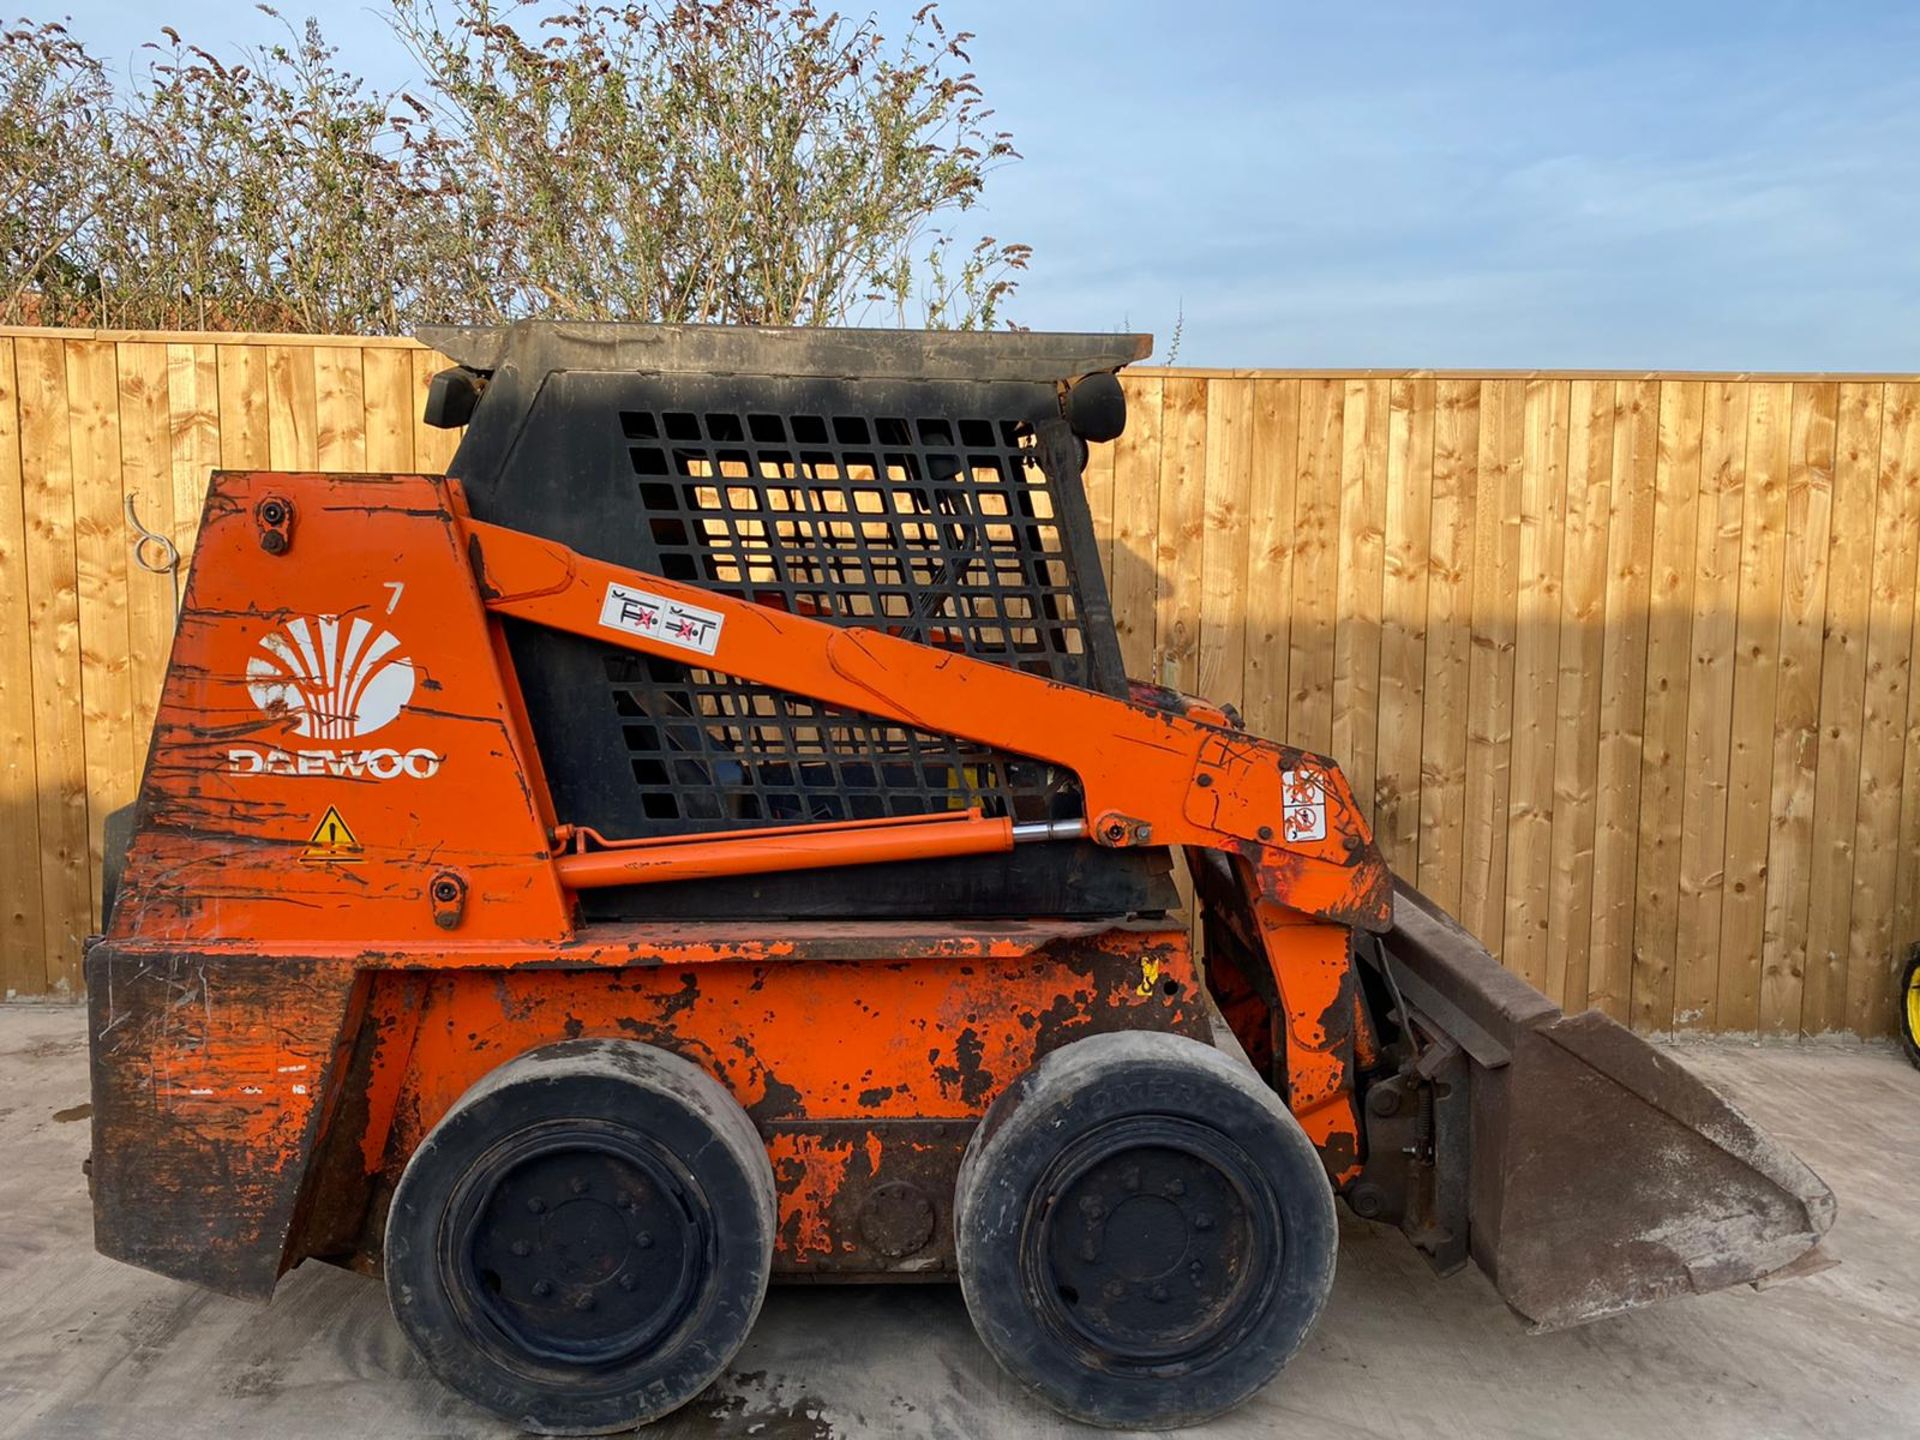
(349, 896)
(252, 1112)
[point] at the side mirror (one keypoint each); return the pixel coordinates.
(451, 397)
(1096, 407)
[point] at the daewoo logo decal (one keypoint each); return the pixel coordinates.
(330, 679)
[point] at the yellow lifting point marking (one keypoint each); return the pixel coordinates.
(332, 841)
(1149, 977)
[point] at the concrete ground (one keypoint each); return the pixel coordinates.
(90, 1349)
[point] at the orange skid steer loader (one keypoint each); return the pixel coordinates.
(708, 837)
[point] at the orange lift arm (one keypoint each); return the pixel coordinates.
(1149, 776)
(1300, 847)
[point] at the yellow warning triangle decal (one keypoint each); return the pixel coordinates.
(332, 839)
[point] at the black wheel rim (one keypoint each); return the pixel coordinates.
(576, 1243)
(1152, 1244)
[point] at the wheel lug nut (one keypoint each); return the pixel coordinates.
(521, 1248)
(629, 1282)
(1089, 1251)
(543, 1287)
(578, 1185)
(1130, 1177)
(1203, 1221)
(1176, 1187)
(1158, 1292)
(583, 1302)
(536, 1205)
(643, 1240)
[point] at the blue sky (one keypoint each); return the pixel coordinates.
(1723, 186)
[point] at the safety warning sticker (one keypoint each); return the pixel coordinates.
(688, 626)
(332, 842)
(1304, 795)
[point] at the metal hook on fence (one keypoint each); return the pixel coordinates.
(169, 552)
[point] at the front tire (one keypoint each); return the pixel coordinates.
(1145, 1234)
(583, 1242)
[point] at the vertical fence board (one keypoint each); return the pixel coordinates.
(1316, 566)
(1871, 970)
(1843, 684)
(1180, 549)
(146, 483)
(1136, 510)
(53, 624)
(1796, 737)
(22, 920)
(1576, 738)
(1443, 749)
(1755, 678)
(1269, 599)
(1663, 746)
(1223, 575)
(1403, 623)
(193, 403)
(1356, 637)
(292, 426)
(1623, 682)
(245, 439)
(432, 448)
(1536, 666)
(339, 409)
(1719, 531)
(1496, 577)
(100, 551)
(386, 388)
(1097, 480)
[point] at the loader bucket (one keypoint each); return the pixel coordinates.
(1599, 1173)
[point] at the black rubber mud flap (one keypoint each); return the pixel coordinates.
(584, 1241)
(118, 838)
(1145, 1234)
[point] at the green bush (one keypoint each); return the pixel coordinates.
(732, 161)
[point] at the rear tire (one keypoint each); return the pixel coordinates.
(583, 1242)
(1145, 1234)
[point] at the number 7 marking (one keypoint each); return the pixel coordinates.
(397, 587)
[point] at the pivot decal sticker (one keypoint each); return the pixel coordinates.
(642, 613)
(332, 842)
(1304, 798)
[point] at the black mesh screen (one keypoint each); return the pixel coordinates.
(850, 488)
(942, 531)
(939, 529)
(709, 750)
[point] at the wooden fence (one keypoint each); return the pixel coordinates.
(88, 422)
(1619, 663)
